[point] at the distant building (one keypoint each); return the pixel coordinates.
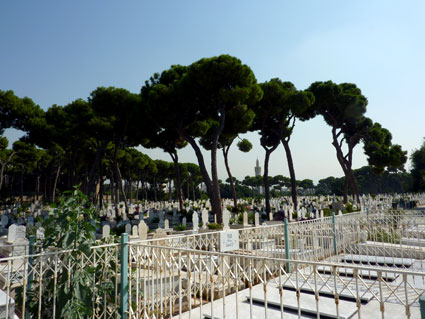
(257, 169)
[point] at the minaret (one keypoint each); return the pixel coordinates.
(258, 173)
(257, 169)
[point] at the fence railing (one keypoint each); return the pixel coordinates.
(172, 282)
(391, 234)
(354, 264)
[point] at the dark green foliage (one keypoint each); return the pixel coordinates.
(71, 227)
(19, 113)
(306, 183)
(381, 152)
(368, 182)
(418, 168)
(215, 226)
(180, 227)
(275, 118)
(343, 107)
(244, 145)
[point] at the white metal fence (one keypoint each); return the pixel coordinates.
(352, 265)
(172, 282)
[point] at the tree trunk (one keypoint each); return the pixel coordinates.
(2, 174)
(145, 190)
(93, 169)
(131, 188)
(22, 184)
(3, 166)
(101, 192)
(345, 190)
(213, 192)
(137, 189)
(216, 198)
(291, 169)
(266, 177)
(37, 187)
(175, 159)
(170, 193)
(55, 183)
(353, 181)
(116, 182)
(45, 189)
(154, 189)
(339, 155)
(232, 185)
(121, 185)
(213, 188)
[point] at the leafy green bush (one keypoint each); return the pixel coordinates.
(327, 212)
(72, 227)
(118, 230)
(215, 226)
(180, 227)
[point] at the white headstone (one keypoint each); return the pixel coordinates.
(256, 219)
(204, 216)
(40, 233)
(226, 219)
(161, 219)
(106, 231)
(159, 233)
(143, 230)
(4, 220)
(245, 219)
(11, 233)
(195, 221)
(184, 221)
(128, 228)
(166, 224)
(134, 231)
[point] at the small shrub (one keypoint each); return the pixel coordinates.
(180, 227)
(327, 212)
(215, 226)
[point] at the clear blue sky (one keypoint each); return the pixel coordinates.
(58, 51)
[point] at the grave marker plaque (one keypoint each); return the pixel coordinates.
(229, 240)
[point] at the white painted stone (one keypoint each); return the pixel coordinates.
(143, 230)
(134, 231)
(39, 234)
(195, 221)
(226, 219)
(204, 216)
(106, 231)
(128, 228)
(4, 220)
(245, 219)
(229, 240)
(11, 233)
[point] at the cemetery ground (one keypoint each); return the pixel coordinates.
(155, 262)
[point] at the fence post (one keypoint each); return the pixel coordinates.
(422, 305)
(124, 276)
(334, 232)
(287, 253)
(31, 240)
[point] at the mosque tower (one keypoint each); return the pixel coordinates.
(257, 169)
